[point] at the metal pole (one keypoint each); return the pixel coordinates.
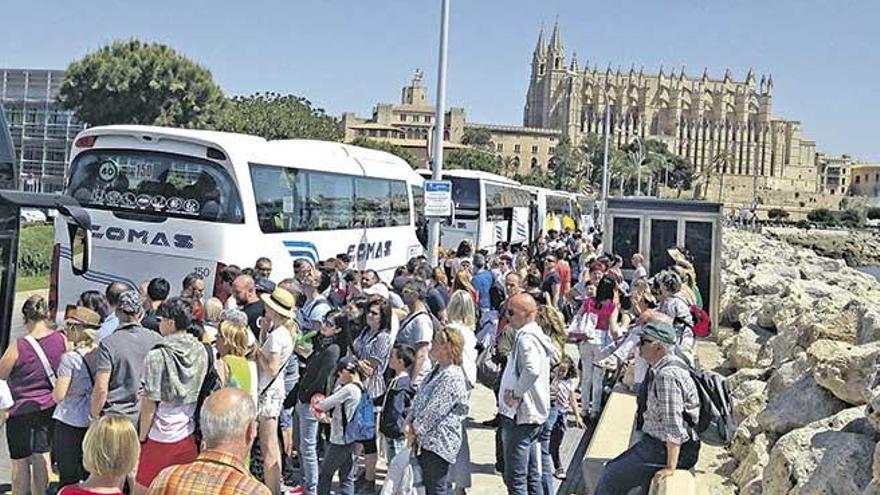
(639, 167)
(439, 128)
(605, 158)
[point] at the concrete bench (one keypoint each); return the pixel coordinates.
(613, 434)
(682, 482)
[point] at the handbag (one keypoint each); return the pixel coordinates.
(404, 475)
(582, 327)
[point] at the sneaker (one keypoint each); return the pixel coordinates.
(297, 490)
(560, 473)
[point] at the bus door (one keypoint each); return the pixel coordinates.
(8, 247)
(78, 237)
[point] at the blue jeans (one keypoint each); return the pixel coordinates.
(521, 457)
(435, 473)
(546, 459)
(637, 466)
(308, 447)
(337, 458)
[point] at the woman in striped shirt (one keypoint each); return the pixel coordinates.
(372, 348)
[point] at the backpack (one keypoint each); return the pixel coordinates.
(716, 423)
(362, 426)
(210, 384)
(488, 369)
(702, 322)
(497, 295)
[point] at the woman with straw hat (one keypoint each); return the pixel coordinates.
(276, 348)
(73, 392)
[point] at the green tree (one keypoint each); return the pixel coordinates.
(535, 179)
(777, 214)
(277, 116)
(387, 147)
(822, 215)
(131, 82)
(478, 138)
(853, 218)
(472, 159)
(568, 166)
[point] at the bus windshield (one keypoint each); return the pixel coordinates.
(466, 193)
(156, 184)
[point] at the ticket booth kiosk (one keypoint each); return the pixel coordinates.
(651, 226)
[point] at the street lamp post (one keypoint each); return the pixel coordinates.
(439, 127)
(605, 157)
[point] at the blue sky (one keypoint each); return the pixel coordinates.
(347, 55)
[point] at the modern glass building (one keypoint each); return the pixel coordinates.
(42, 132)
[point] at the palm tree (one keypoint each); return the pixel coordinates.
(721, 162)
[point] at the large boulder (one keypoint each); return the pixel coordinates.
(749, 398)
(832, 454)
(844, 369)
(744, 437)
(842, 326)
(786, 374)
(869, 327)
(744, 350)
(801, 403)
(872, 397)
(766, 283)
(751, 469)
(873, 487)
(747, 375)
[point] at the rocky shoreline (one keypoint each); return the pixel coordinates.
(802, 339)
(856, 247)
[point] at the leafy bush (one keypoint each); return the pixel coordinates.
(822, 215)
(853, 218)
(35, 250)
(777, 214)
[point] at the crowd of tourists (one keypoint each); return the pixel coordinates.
(282, 386)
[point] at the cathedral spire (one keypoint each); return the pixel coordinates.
(574, 61)
(769, 84)
(556, 38)
(541, 47)
(727, 76)
(705, 74)
(750, 77)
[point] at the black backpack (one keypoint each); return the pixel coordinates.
(716, 423)
(210, 384)
(497, 295)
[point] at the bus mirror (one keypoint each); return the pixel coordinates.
(452, 217)
(80, 248)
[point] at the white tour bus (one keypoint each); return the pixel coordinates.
(487, 209)
(555, 210)
(168, 202)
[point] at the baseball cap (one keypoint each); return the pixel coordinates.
(346, 363)
(379, 289)
(130, 302)
(660, 331)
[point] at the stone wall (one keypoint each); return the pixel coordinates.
(805, 343)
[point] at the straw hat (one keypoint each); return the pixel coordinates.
(83, 316)
(281, 301)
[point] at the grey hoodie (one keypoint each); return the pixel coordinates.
(175, 369)
(527, 373)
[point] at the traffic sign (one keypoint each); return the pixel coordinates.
(438, 198)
